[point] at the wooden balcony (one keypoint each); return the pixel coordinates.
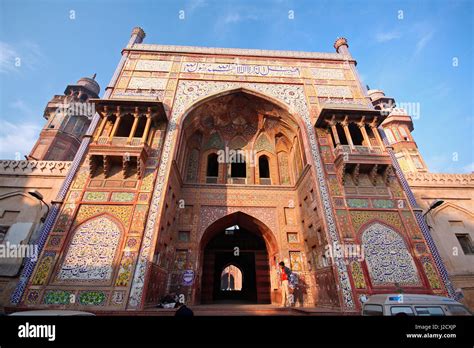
(356, 159)
(132, 153)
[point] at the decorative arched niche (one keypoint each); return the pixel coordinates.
(387, 257)
(91, 253)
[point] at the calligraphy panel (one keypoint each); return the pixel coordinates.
(387, 257)
(92, 251)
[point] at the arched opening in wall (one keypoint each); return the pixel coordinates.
(231, 278)
(356, 134)
(235, 260)
(238, 170)
(212, 171)
(240, 121)
(341, 134)
(264, 170)
(125, 126)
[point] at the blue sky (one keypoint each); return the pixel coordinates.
(407, 48)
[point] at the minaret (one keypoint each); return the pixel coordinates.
(68, 117)
(398, 127)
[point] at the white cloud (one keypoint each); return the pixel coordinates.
(194, 5)
(423, 41)
(387, 36)
(17, 139)
(15, 58)
(237, 17)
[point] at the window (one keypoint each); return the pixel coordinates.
(238, 166)
(466, 243)
(458, 310)
(184, 236)
(212, 165)
(429, 311)
(404, 133)
(372, 310)
(401, 310)
(390, 137)
(263, 167)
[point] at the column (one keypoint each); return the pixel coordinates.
(334, 134)
(364, 134)
(134, 126)
(116, 124)
(147, 126)
(348, 134)
(375, 130)
(101, 127)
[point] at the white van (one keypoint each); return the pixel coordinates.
(412, 305)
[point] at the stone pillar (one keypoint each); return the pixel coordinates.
(147, 128)
(136, 118)
(116, 124)
(364, 134)
(101, 127)
(334, 133)
(345, 126)
(377, 136)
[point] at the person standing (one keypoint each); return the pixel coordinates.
(285, 273)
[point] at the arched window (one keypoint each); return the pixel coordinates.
(212, 165)
(238, 166)
(263, 167)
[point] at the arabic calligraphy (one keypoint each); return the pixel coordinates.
(240, 69)
(387, 257)
(92, 251)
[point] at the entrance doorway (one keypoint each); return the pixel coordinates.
(235, 264)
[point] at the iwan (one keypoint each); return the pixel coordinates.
(34, 331)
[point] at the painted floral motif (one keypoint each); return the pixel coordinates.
(122, 197)
(431, 273)
(94, 196)
(358, 275)
(94, 298)
(361, 217)
(92, 250)
(32, 297)
(43, 268)
(57, 297)
(121, 212)
(125, 269)
(357, 203)
(383, 203)
(387, 257)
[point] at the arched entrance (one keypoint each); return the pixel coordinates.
(235, 260)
